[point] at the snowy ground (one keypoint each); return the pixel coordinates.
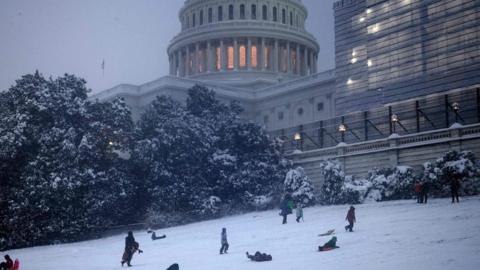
(392, 235)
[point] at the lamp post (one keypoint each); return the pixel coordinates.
(298, 138)
(456, 109)
(394, 120)
(342, 129)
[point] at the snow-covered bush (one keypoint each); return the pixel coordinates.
(336, 189)
(299, 186)
(459, 165)
(391, 183)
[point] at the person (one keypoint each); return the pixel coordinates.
(259, 257)
(350, 218)
(7, 264)
(131, 246)
(286, 208)
(454, 186)
(418, 191)
(425, 190)
(299, 212)
(331, 244)
(155, 237)
(224, 241)
(174, 267)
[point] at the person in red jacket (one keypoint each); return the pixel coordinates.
(418, 191)
(351, 219)
(7, 264)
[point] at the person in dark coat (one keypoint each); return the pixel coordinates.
(351, 219)
(455, 186)
(331, 244)
(224, 241)
(424, 192)
(174, 267)
(418, 192)
(7, 264)
(286, 207)
(131, 246)
(259, 257)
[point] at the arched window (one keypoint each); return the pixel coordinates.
(284, 16)
(254, 12)
(201, 17)
(230, 12)
(220, 13)
(275, 14)
(194, 19)
(254, 57)
(231, 55)
(264, 12)
(188, 21)
(242, 12)
(210, 15)
(291, 18)
(242, 56)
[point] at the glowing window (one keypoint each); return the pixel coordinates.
(230, 57)
(218, 58)
(243, 56)
(254, 58)
(266, 57)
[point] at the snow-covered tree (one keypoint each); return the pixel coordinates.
(299, 186)
(336, 187)
(460, 165)
(391, 183)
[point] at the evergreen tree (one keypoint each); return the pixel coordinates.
(299, 186)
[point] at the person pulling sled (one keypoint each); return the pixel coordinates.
(131, 246)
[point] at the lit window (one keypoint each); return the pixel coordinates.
(242, 56)
(266, 57)
(230, 57)
(218, 62)
(254, 57)
(374, 28)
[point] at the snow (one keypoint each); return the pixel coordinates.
(388, 235)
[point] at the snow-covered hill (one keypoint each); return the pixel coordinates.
(391, 235)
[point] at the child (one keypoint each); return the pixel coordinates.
(299, 212)
(350, 218)
(224, 241)
(331, 244)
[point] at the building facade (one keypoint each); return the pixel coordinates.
(411, 60)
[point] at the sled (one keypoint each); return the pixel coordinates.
(321, 249)
(16, 265)
(329, 232)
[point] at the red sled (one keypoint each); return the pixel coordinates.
(326, 248)
(16, 265)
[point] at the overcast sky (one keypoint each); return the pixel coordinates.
(74, 36)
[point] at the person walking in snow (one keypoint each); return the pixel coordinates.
(224, 242)
(424, 192)
(131, 246)
(299, 212)
(454, 187)
(350, 218)
(7, 264)
(286, 207)
(418, 192)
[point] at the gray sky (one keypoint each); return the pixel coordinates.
(74, 36)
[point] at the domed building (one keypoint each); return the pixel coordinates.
(255, 52)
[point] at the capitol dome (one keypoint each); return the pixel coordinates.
(243, 43)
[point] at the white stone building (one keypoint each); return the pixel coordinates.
(256, 52)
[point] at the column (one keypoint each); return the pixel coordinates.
(289, 58)
(311, 63)
(187, 62)
(315, 59)
(249, 54)
(209, 56)
(235, 54)
(195, 59)
(275, 56)
(305, 61)
(262, 55)
(181, 63)
(222, 56)
(299, 72)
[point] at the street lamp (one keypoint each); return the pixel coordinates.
(456, 109)
(297, 136)
(395, 120)
(342, 129)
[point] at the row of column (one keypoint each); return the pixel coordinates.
(217, 56)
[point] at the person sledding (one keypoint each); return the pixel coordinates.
(259, 257)
(131, 246)
(7, 264)
(351, 219)
(174, 267)
(155, 237)
(331, 244)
